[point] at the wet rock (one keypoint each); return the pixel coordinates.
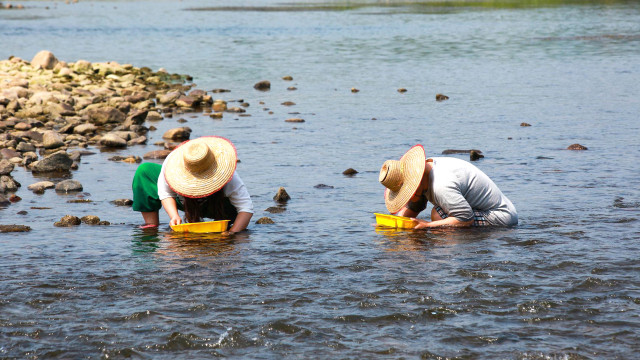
(85, 129)
(350, 171)
(105, 115)
(79, 201)
(8, 154)
(22, 212)
(128, 159)
(51, 140)
(24, 147)
(295, 120)
(4, 201)
(90, 219)
(182, 133)
(287, 78)
(323, 186)
(103, 222)
(113, 141)
(68, 220)
(169, 98)
(8, 184)
(14, 228)
(153, 116)
(292, 88)
(441, 97)
(6, 167)
(219, 105)
(236, 109)
(288, 103)
(525, 124)
(216, 115)
(67, 186)
(156, 154)
(122, 202)
(263, 85)
(475, 155)
(14, 198)
(186, 102)
(217, 91)
(265, 220)
(275, 209)
(44, 59)
(282, 196)
(454, 151)
(40, 186)
(354, 90)
(137, 117)
(137, 141)
(577, 147)
(402, 90)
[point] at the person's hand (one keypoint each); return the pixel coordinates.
(176, 220)
(227, 233)
(422, 224)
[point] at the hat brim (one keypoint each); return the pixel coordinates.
(413, 165)
(188, 184)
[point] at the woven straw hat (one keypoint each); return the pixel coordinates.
(402, 178)
(200, 167)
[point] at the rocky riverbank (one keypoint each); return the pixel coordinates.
(51, 110)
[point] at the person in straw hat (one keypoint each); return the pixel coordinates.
(197, 177)
(461, 194)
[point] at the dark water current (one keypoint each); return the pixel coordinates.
(322, 282)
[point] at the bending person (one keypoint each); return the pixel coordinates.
(199, 178)
(461, 194)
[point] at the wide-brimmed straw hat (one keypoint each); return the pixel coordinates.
(200, 167)
(402, 178)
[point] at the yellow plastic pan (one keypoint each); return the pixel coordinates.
(202, 227)
(398, 222)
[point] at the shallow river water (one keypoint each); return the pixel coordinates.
(322, 282)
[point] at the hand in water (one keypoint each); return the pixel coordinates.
(422, 224)
(175, 221)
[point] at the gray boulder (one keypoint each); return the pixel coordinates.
(67, 186)
(51, 140)
(5, 167)
(44, 59)
(59, 161)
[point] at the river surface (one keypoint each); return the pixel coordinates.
(322, 282)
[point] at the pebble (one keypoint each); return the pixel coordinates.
(287, 78)
(441, 97)
(577, 147)
(525, 124)
(68, 220)
(295, 120)
(323, 186)
(350, 171)
(281, 196)
(265, 220)
(263, 85)
(122, 202)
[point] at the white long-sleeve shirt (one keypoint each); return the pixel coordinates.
(235, 190)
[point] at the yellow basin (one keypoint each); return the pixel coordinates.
(202, 227)
(399, 222)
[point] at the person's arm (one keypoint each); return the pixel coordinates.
(450, 221)
(406, 212)
(241, 223)
(170, 206)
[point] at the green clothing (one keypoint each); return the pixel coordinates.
(145, 188)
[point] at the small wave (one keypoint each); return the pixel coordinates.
(536, 306)
(283, 327)
(473, 274)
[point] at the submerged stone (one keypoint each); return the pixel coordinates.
(275, 209)
(90, 219)
(577, 147)
(68, 220)
(350, 171)
(323, 186)
(122, 202)
(475, 155)
(265, 220)
(282, 195)
(14, 228)
(263, 85)
(441, 97)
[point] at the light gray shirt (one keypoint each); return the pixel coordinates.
(460, 188)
